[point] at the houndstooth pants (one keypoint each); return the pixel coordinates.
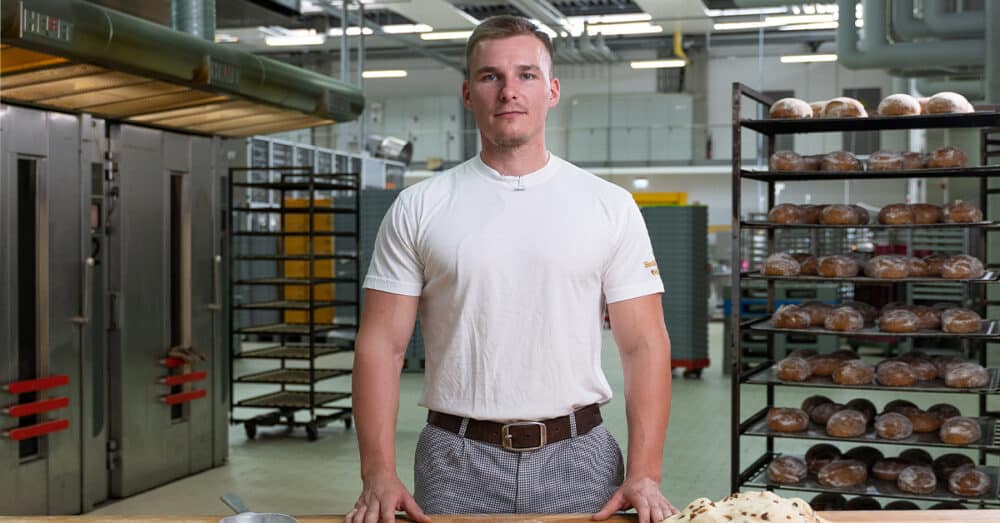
(455, 475)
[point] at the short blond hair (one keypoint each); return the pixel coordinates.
(504, 26)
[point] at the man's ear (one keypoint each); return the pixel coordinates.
(466, 95)
(553, 92)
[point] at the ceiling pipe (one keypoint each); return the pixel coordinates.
(941, 21)
(905, 25)
(195, 17)
(974, 89)
(879, 53)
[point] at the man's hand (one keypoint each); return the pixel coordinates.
(382, 495)
(644, 495)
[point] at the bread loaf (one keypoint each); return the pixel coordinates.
(899, 105)
(790, 108)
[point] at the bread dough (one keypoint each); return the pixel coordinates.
(747, 507)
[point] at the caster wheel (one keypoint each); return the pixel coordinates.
(691, 374)
(251, 430)
(312, 432)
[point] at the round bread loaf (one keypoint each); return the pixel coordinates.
(790, 317)
(889, 468)
(812, 162)
(917, 479)
(885, 161)
(893, 425)
(969, 483)
(819, 455)
(948, 102)
(790, 108)
(896, 214)
(962, 267)
(935, 262)
(787, 419)
(807, 263)
(823, 364)
(887, 267)
(867, 311)
(946, 464)
(810, 213)
(817, 108)
(841, 161)
(813, 401)
(898, 405)
(922, 421)
(844, 319)
(960, 321)
(821, 414)
(844, 107)
(863, 503)
(793, 369)
(818, 311)
(865, 454)
(914, 160)
(785, 213)
(839, 215)
(916, 268)
(837, 266)
(960, 431)
(842, 473)
(898, 321)
(780, 264)
(924, 370)
(895, 374)
(865, 407)
(863, 217)
(926, 213)
(961, 211)
(967, 376)
(916, 457)
(928, 318)
(944, 363)
(923, 100)
(854, 372)
(900, 504)
(944, 411)
(899, 105)
(949, 157)
(786, 161)
(828, 501)
(786, 470)
(846, 423)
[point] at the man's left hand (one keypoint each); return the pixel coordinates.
(644, 495)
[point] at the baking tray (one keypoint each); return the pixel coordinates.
(288, 376)
(989, 441)
(883, 488)
(297, 352)
(988, 277)
(769, 376)
(987, 331)
(289, 399)
(872, 123)
(796, 176)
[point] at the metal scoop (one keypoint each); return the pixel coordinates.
(243, 515)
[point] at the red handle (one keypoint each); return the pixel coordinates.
(20, 387)
(183, 397)
(171, 362)
(33, 431)
(27, 409)
(183, 378)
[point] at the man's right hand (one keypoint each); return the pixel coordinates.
(383, 494)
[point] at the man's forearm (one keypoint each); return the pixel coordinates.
(375, 390)
(647, 405)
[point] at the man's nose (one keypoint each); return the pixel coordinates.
(507, 92)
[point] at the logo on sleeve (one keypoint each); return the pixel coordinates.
(651, 265)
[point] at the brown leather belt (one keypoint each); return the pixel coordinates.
(522, 435)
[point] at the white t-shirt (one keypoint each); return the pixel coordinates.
(513, 273)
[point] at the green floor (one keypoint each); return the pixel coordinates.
(288, 474)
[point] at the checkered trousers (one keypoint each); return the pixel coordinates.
(455, 475)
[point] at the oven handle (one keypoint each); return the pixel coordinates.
(88, 280)
(216, 292)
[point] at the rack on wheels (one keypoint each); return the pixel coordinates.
(752, 426)
(293, 245)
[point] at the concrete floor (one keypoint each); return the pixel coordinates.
(280, 473)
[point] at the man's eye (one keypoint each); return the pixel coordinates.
(528, 76)
(489, 77)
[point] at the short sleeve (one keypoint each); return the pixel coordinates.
(631, 270)
(395, 265)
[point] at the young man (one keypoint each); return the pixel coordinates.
(510, 259)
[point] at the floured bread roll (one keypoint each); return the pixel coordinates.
(791, 108)
(899, 105)
(747, 507)
(948, 102)
(844, 107)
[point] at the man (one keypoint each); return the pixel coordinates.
(510, 259)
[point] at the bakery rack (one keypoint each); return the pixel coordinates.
(291, 241)
(762, 374)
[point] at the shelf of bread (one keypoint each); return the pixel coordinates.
(988, 277)
(871, 486)
(797, 176)
(987, 331)
(872, 226)
(873, 123)
(768, 374)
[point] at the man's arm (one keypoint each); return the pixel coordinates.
(386, 326)
(639, 331)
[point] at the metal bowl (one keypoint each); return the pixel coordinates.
(259, 517)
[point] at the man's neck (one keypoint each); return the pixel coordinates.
(515, 161)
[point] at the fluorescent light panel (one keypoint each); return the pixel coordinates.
(775, 21)
(629, 28)
(388, 73)
(446, 35)
(407, 28)
(809, 27)
(807, 58)
(657, 64)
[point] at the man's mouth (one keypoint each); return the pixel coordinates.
(509, 114)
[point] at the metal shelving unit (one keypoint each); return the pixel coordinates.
(754, 475)
(291, 246)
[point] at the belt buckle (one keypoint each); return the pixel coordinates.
(507, 440)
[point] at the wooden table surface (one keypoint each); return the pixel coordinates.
(880, 516)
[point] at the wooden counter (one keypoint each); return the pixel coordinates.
(880, 516)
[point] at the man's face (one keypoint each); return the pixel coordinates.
(510, 89)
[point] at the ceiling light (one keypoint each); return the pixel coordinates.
(658, 64)
(807, 58)
(388, 73)
(406, 28)
(736, 26)
(800, 19)
(296, 37)
(631, 28)
(223, 38)
(545, 29)
(612, 19)
(446, 35)
(746, 11)
(808, 27)
(640, 183)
